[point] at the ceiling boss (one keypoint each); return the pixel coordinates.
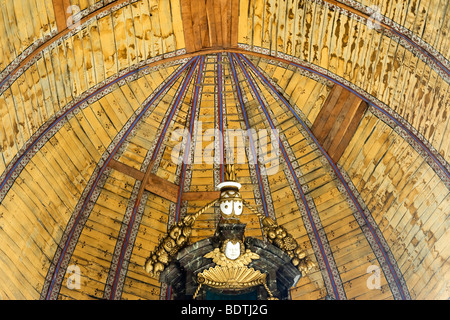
(239, 263)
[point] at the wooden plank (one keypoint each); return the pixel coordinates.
(187, 26)
(203, 22)
(166, 19)
(225, 13)
(339, 147)
(60, 8)
(234, 23)
(162, 188)
(214, 31)
(201, 195)
(244, 29)
(210, 23)
(331, 116)
(323, 115)
(132, 172)
(197, 17)
(338, 120)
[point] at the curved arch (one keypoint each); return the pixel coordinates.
(433, 158)
(395, 31)
(55, 275)
(34, 52)
(351, 8)
(362, 215)
(42, 137)
(311, 218)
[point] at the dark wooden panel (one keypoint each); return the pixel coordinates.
(210, 23)
(337, 121)
(61, 15)
(341, 143)
(324, 114)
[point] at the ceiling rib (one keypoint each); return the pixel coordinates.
(320, 242)
(379, 245)
(434, 159)
(193, 128)
(219, 120)
(116, 287)
(53, 280)
(119, 265)
(338, 120)
(276, 59)
(188, 152)
(253, 156)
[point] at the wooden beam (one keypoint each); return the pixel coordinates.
(129, 171)
(200, 196)
(324, 114)
(160, 186)
(144, 185)
(339, 117)
(337, 121)
(61, 15)
(339, 147)
(154, 184)
(211, 17)
(225, 13)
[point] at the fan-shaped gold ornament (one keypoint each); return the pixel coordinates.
(231, 278)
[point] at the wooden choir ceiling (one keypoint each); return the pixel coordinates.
(87, 178)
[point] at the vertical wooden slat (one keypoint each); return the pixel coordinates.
(200, 24)
(234, 23)
(333, 115)
(211, 18)
(340, 116)
(226, 17)
(218, 25)
(187, 25)
(203, 24)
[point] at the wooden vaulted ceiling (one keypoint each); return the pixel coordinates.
(358, 91)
